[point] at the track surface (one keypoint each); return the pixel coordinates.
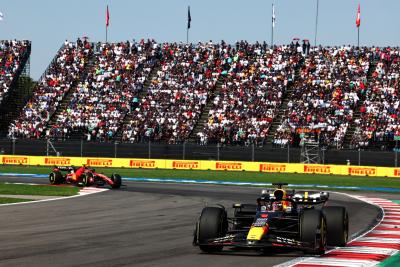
(144, 224)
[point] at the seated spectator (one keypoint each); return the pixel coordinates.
(177, 94)
(60, 77)
(102, 100)
(379, 121)
(251, 93)
(331, 83)
(11, 55)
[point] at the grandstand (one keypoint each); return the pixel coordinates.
(239, 94)
(15, 83)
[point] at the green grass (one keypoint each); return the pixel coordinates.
(7, 200)
(338, 180)
(37, 190)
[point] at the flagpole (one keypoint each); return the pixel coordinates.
(358, 24)
(316, 24)
(107, 22)
(189, 19)
(272, 26)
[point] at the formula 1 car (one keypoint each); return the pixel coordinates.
(279, 219)
(87, 178)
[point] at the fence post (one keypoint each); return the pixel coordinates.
(288, 152)
(252, 152)
(149, 149)
(395, 154)
(115, 149)
(359, 156)
(217, 151)
(81, 147)
(184, 150)
(47, 147)
(13, 146)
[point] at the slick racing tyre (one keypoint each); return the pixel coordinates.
(313, 230)
(337, 222)
(88, 179)
(213, 223)
(56, 178)
(116, 178)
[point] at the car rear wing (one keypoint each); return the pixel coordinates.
(64, 168)
(306, 198)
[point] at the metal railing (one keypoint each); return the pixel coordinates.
(192, 151)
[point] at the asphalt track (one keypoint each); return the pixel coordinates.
(143, 224)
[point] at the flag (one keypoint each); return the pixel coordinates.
(107, 17)
(189, 18)
(1, 16)
(358, 19)
(273, 16)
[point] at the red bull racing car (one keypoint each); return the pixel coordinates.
(279, 219)
(83, 176)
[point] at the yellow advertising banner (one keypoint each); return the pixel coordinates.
(135, 163)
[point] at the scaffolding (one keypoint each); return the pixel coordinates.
(310, 152)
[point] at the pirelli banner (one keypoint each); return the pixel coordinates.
(201, 165)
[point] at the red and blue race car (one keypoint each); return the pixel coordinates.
(279, 219)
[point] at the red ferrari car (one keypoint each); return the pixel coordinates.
(83, 176)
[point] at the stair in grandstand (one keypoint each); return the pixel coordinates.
(128, 116)
(357, 114)
(15, 103)
(277, 121)
(67, 98)
(21, 89)
(203, 120)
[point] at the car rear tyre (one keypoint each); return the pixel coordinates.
(313, 230)
(88, 179)
(55, 178)
(117, 180)
(213, 223)
(337, 222)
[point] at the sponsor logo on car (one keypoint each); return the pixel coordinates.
(57, 161)
(272, 167)
(317, 169)
(185, 164)
(15, 160)
(362, 171)
(99, 162)
(228, 166)
(142, 163)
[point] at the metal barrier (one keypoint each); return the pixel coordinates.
(191, 151)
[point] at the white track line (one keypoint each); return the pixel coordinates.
(86, 191)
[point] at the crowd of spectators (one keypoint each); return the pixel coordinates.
(100, 103)
(59, 78)
(11, 56)
(332, 81)
(251, 93)
(177, 93)
(331, 86)
(380, 112)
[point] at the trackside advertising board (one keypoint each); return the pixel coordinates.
(201, 165)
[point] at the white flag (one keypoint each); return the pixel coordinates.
(273, 16)
(1, 16)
